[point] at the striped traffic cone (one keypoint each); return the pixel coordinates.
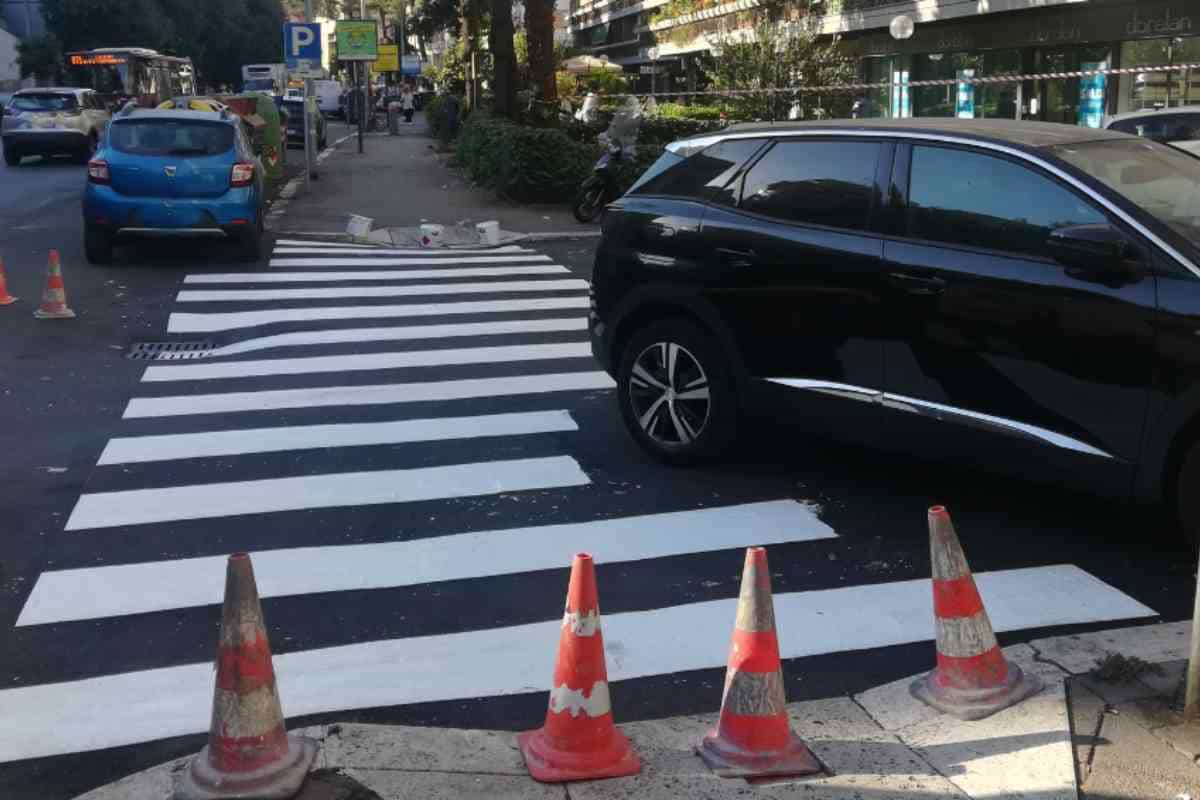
(972, 679)
(54, 298)
(249, 752)
(753, 738)
(6, 299)
(579, 740)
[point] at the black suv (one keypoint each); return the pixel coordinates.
(1024, 294)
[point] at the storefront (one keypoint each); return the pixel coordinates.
(1065, 38)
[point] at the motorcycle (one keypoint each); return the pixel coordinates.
(600, 188)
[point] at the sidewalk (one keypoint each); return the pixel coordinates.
(400, 182)
(881, 744)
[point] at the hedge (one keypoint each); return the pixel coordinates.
(523, 163)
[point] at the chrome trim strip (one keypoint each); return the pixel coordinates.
(1012, 151)
(940, 411)
(166, 232)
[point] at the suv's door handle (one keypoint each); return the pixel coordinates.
(738, 258)
(918, 284)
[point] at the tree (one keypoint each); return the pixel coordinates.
(539, 30)
(504, 59)
(41, 57)
(84, 24)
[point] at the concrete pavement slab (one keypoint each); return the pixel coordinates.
(356, 746)
(1087, 710)
(1079, 653)
(401, 785)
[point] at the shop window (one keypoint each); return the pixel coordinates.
(1165, 89)
(1073, 101)
(965, 99)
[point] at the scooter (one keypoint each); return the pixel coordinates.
(600, 188)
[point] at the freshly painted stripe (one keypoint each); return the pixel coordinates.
(367, 361)
(403, 333)
(207, 500)
(96, 592)
(341, 292)
(311, 244)
(378, 394)
(314, 243)
(417, 261)
(207, 323)
(113, 710)
(166, 447)
(377, 275)
(394, 251)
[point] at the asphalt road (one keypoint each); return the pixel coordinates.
(397, 596)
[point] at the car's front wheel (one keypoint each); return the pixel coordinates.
(97, 245)
(89, 149)
(12, 156)
(676, 392)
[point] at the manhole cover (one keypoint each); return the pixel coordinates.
(168, 351)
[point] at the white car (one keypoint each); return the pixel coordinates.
(1178, 126)
(329, 95)
(51, 122)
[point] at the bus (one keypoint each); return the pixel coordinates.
(121, 74)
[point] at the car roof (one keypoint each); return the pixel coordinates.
(173, 113)
(1022, 133)
(1153, 112)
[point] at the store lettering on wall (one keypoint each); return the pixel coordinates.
(1155, 26)
(1063, 33)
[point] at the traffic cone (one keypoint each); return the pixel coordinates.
(6, 299)
(54, 298)
(753, 738)
(249, 752)
(972, 679)
(579, 740)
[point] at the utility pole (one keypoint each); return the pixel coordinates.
(310, 163)
(361, 84)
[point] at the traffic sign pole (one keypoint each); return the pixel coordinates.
(309, 162)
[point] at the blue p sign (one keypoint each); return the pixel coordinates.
(301, 42)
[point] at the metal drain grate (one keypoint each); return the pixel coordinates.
(169, 351)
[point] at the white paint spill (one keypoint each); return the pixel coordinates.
(117, 710)
(94, 592)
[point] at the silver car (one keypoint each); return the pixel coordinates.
(1178, 126)
(50, 122)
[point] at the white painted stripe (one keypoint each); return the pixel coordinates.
(207, 323)
(334, 261)
(341, 292)
(207, 500)
(379, 394)
(395, 251)
(378, 275)
(314, 242)
(320, 244)
(504, 354)
(92, 593)
(166, 447)
(403, 333)
(114, 710)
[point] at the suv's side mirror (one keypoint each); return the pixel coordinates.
(1098, 249)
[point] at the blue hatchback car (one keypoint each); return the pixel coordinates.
(173, 173)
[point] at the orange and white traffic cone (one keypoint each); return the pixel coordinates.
(972, 679)
(6, 299)
(579, 740)
(249, 752)
(54, 298)
(753, 738)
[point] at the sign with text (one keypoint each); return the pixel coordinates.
(302, 49)
(357, 40)
(389, 59)
(410, 65)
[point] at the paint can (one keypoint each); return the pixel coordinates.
(359, 227)
(489, 232)
(432, 235)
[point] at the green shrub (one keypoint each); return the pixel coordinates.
(698, 112)
(522, 163)
(437, 120)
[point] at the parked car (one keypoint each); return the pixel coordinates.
(1018, 295)
(185, 174)
(1179, 126)
(328, 94)
(295, 124)
(52, 122)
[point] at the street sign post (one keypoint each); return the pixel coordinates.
(302, 54)
(357, 41)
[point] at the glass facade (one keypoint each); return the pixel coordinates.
(1160, 89)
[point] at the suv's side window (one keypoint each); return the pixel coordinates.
(814, 182)
(967, 198)
(703, 174)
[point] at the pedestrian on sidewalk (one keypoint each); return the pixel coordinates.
(407, 104)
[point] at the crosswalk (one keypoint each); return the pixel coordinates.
(333, 442)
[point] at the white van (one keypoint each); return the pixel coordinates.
(328, 94)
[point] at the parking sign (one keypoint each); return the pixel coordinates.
(302, 49)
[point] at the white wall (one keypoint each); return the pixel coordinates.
(10, 70)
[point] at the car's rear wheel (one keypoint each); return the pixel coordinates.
(1186, 500)
(12, 156)
(97, 245)
(676, 392)
(251, 244)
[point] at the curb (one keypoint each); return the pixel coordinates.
(880, 743)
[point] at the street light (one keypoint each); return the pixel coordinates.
(901, 27)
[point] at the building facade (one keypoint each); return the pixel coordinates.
(663, 42)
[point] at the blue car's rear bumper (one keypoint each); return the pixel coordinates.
(233, 211)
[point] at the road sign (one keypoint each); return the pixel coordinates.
(357, 40)
(302, 49)
(411, 65)
(389, 59)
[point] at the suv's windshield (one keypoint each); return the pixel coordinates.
(170, 137)
(44, 102)
(1163, 181)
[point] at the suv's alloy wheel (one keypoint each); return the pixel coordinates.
(669, 393)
